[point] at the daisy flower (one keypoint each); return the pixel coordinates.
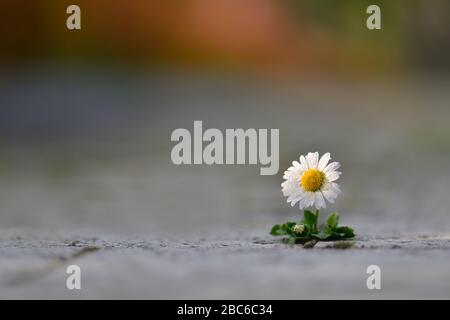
(311, 181)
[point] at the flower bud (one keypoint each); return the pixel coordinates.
(299, 228)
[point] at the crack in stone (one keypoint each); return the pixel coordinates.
(27, 275)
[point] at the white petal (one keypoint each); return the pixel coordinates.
(335, 187)
(313, 159)
(288, 172)
(333, 175)
(304, 163)
(330, 191)
(304, 203)
(294, 200)
(287, 192)
(291, 197)
(310, 199)
(329, 195)
(295, 193)
(324, 161)
(331, 167)
(292, 173)
(320, 201)
(296, 164)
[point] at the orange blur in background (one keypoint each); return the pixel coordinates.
(293, 37)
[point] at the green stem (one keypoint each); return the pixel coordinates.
(317, 219)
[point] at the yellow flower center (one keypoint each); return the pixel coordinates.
(312, 180)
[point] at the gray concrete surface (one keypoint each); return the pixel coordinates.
(242, 266)
(86, 178)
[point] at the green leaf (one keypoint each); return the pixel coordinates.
(323, 234)
(306, 232)
(331, 231)
(278, 230)
(346, 232)
(291, 233)
(290, 224)
(283, 230)
(333, 220)
(310, 219)
(289, 227)
(289, 240)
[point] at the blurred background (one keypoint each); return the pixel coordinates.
(86, 116)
